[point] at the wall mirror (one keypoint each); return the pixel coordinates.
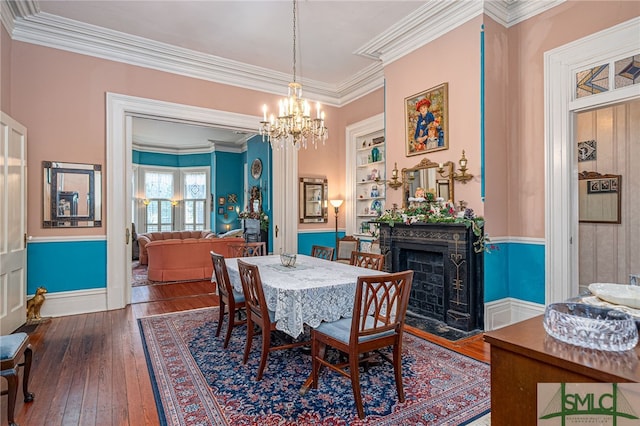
(72, 195)
(599, 198)
(313, 200)
(425, 175)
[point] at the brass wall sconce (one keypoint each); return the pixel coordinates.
(394, 183)
(462, 176)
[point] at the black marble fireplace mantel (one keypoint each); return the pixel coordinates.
(448, 282)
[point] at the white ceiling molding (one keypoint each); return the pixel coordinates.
(429, 22)
(144, 145)
(511, 12)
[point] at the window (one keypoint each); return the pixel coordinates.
(171, 199)
(195, 200)
(158, 193)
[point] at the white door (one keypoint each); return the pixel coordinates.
(13, 219)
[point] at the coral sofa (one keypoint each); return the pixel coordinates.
(144, 239)
(188, 259)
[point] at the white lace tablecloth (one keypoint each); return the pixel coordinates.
(312, 291)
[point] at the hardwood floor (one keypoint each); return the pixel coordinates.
(90, 369)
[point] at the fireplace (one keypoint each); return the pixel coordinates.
(448, 280)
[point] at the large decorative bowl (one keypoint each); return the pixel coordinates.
(620, 294)
(591, 327)
(288, 260)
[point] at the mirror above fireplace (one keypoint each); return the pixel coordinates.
(425, 175)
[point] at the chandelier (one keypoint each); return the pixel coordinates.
(294, 122)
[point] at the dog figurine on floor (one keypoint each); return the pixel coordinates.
(35, 303)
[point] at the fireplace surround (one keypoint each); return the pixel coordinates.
(448, 282)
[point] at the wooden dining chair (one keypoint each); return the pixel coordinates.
(378, 318)
(259, 314)
(322, 252)
(228, 298)
(367, 260)
(248, 249)
(346, 245)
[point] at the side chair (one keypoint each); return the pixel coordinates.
(258, 313)
(378, 319)
(12, 348)
(248, 249)
(322, 252)
(228, 297)
(346, 245)
(367, 260)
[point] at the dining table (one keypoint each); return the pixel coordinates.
(309, 292)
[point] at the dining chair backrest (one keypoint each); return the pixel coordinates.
(248, 249)
(322, 252)
(346, 245)
(227, 297)
(367, 260)
(253, 292)
(222, 275)
(380, 306)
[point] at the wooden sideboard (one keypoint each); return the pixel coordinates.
(523, 355)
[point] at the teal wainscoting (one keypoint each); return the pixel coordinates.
(66, 266)
(496, 267)
(308, 239)
(516, 270)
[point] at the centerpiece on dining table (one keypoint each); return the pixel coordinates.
(288, 260)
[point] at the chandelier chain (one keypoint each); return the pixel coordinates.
(294, 124)
(294, 40)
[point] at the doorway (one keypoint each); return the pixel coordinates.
(561, 184)
(120, 110)
(607, 252)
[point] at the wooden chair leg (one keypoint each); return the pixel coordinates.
(230, 325)
(247, 347)
(220, 318)
(12, 391)
(397, 367)
(318, 350)
(264, 353)
(354, 372)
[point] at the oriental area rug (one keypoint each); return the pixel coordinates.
(197, 382)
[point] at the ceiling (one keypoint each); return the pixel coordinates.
(342, 46)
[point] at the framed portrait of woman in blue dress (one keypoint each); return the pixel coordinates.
(427, 120)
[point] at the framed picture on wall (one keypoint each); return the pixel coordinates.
(221, 201)
(220, 210)
(426, 121)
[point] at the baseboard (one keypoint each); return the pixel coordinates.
(74, 302)
(503, 312)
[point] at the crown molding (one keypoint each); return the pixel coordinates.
(151, 146)
(24, 22)
(424, 25)
(511, 12)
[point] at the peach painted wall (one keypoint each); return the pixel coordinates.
(497, 80)
(5, 71)
(528, 41)
(60, 97)
(453, 58)
(314, 163)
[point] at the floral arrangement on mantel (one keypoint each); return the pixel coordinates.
(261, 216)
(426, 208)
